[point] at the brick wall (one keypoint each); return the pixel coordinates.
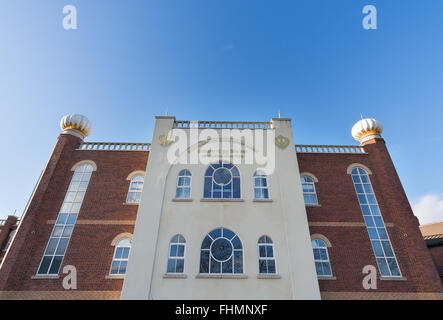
(351, 248)
(103, 213)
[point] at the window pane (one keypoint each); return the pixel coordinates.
(319, 268)
(125, 254)
(180, 251)
(55, 267)
(52, 244)
(377, 248)
(262, 267)
(57, 232)
(227, 266)
(67, 231)
(118, 253)
(173, 252)
(45, 265)
(326, 268)
(62, 245)
(378, 221)
(269, 251)
(383, 267)
(114, 267)
(123, 265)
(271, 266)
(382, 233)
(393, 267)
(369, 222)
(262, 251)
(238, 262)
(388, 249)
(180, 265)
(204, 261)
(372, 233)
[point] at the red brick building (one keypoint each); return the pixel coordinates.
(433, 235)
(7, 232)
(107, 213)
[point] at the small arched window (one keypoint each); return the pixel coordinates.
(135, 189)
(309, 193)
(176, 256)
(222, 181)
(121, 256)
(183, 185)
(261, 190)
(321, 258)
(221, 252)
(266, 259)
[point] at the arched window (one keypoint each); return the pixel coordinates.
(309, 193)
(386, 261)
(321, 258)
(135, 189)
(261, 190)
(176, 256)
(221, 253)
(184, 185)
(64, 225)
(121, 256)
(266, 259)
(222, 181)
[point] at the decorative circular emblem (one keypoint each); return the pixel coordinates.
(221, 249)
(281, 142)
(163, 140)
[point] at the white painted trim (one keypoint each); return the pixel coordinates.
(358, 165)
(310, 175)
(79, 164)
(135, 173)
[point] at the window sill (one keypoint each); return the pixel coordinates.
(175, 276)
(326, 278)
(182, 200)
(262, 200)
(45, 277)
(221, 276)
(393, 278)
(313, 205)
(220, 200)
(131, 203)
(115, 276)
(268, 276)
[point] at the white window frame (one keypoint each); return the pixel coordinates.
(114, 259)
(328, 261)
(181, 175)
(135, 192)
(266, 258)
(261, 175)
(178, 243)
(312, 182)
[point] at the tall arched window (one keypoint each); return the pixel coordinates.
(64, 225)
(135, 189)
(384, 254)
(309, 194)
(121, 256)
(183, 185)
(222, 181)
(266, 259)
(261, 190)
(176, 256)
(221, 253)
(321, 258)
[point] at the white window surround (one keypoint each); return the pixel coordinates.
(183, 186)
(177, 244)
(80, 163)
(135, 189)
(309, 190)
(265, 242)
(120, 258)
(258, 179)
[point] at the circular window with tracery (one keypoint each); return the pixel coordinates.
(221, 252)
(222, 181)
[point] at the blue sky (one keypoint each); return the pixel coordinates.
(223, 60)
